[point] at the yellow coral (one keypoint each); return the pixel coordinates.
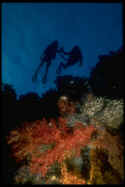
(99, 174)
(114, 148)
(68, 177)
(95, 171)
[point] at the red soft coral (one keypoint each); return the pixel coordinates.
(28, 141)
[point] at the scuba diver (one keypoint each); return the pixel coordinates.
(75, 56)
(47, 57)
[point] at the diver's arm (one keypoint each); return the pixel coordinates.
(63, 57)
(61, 50)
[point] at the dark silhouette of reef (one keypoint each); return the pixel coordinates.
(72, 87)
(28, 108)
(106, 78)
(49, 106)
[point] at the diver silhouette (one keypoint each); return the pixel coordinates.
(48, 55)
(75, 56)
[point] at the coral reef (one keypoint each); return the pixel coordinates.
(24, 176)
(41, 145)
(100, 112)
(114, 148)
(112, 114)
(92, 105)
(65, 106)
(77, 118)
(77, 148)
(101, 171)
(68, 177)
(78, 137)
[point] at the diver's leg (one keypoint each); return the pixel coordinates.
(37, 71)
(46, 72)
